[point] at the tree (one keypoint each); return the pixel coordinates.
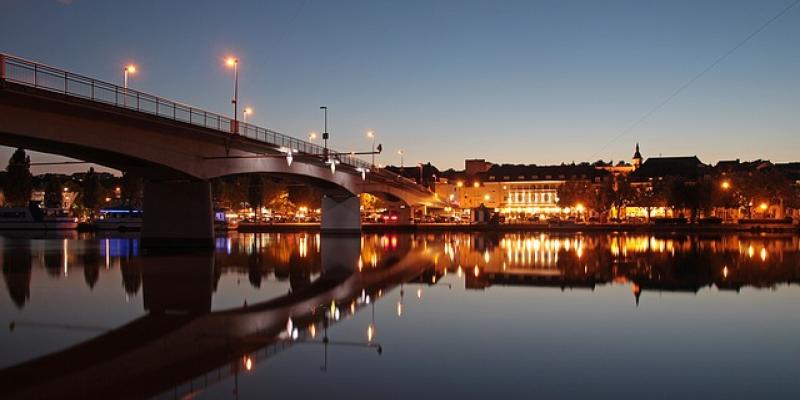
(131, 187)
(53, 195)
(255, 193)
(90, 191)
(19, 184)
(620, 192)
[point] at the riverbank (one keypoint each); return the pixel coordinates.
(687, 228)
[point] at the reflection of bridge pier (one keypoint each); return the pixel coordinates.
(340, 252)
(178, 284)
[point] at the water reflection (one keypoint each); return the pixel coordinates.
(321, 282)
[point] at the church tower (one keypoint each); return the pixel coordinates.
(637, 158)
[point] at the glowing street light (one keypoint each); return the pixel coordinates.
(325, 134)
(128, 70)
(289, 152)
(233, 62)
(371, 135)
(763, 206)
(725, 185)
(401, 152)
(312, 136)
(247, 111)
(363, 172)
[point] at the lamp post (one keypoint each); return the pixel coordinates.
(247, 111)
(401, 153)
(312, 136)
(371, 135)
(325, 134)
(233, 62)
(128, 70)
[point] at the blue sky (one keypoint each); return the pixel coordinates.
(522, 82)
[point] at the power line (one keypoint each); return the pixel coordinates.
(696, 77)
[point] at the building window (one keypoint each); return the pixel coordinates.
(491, 177)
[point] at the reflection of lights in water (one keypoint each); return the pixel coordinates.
(353, 307)
(374, 260)
(370, 332)
(399, 309)
(295, 334)
(66, 256)
(433, 279)
(108, 255)
(303, 246)
(763, 254)
(289, 326)
(367, 300)
(459, 271)
(725, 272)
(486, 257)
(312, 330)
(247, 362)
(419, 293)
(337, 314)
(228, 246)
(360, 263)
(751, 251)
(476, 271)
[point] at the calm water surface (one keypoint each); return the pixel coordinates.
(400, 316)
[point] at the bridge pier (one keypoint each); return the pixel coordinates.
(177, 214)
(341, 214)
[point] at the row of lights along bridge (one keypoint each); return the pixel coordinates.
(233, 62)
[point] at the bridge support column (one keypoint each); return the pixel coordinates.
(341, 214)
(177, 214)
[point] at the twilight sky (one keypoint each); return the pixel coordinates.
(510, 81)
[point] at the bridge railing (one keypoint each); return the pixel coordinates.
(29, 73)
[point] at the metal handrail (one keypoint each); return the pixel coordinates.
(29, 73)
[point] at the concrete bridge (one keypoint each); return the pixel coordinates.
(179, 340)
(177, 149)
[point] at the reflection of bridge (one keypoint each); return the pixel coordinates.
(177, 148)
(180, 340)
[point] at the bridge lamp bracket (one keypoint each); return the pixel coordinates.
(288, 151)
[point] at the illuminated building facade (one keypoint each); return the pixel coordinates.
(522, 192)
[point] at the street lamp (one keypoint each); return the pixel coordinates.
(401, 153)
(312, 136)
(371, 135)
(247, 111)
(129, 69)
(325, 134)
(233, 62)
(726, 185)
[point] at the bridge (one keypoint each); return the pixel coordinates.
(180, 341)
(177, 148)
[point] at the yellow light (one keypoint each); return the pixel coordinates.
(486, 197)
(248, 110)
(231, 61)
(476, 271)
(370, 134)
(248, 363)
(579, 207)
(726, 185)
(312, 135)
(763, 206)
(131, 69)
(476, 184)
(460, 184)
(399, 309)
